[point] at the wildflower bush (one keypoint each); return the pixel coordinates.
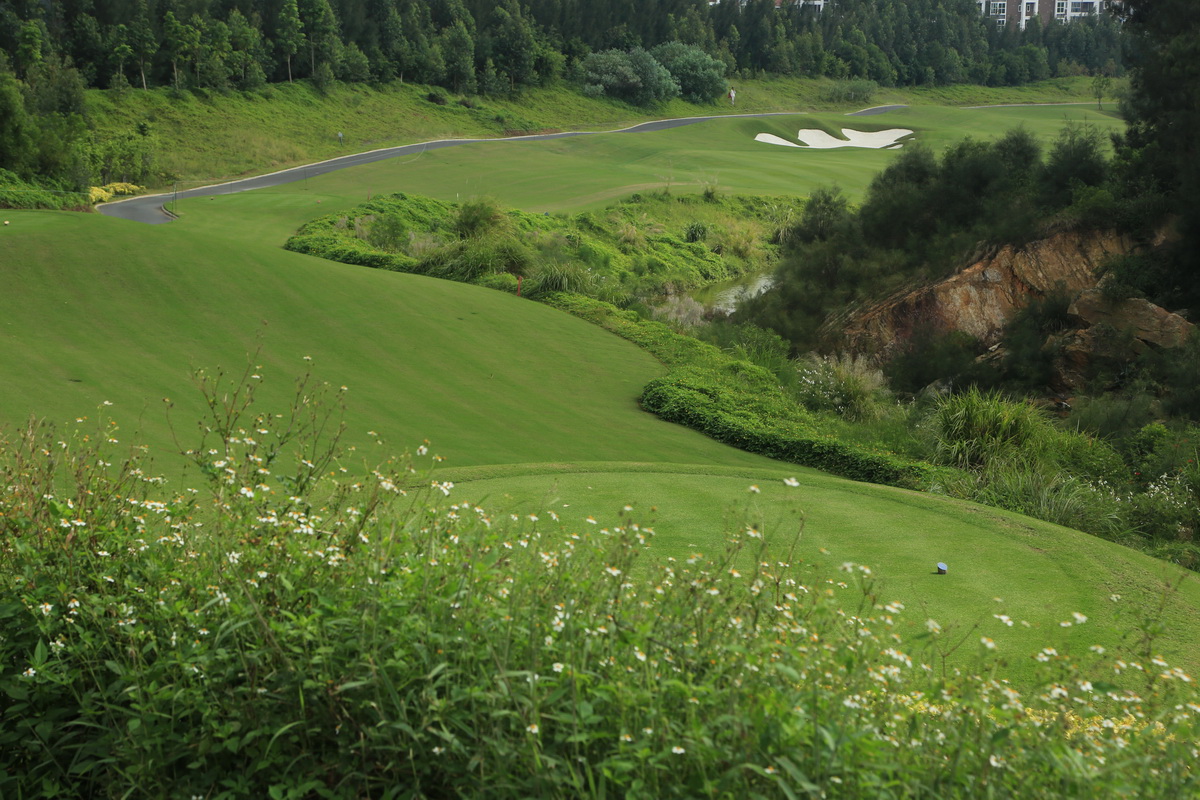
(846, 384)
(299, 625)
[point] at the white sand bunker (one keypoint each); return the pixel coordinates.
(820, 140)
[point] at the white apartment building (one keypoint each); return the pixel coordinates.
(1020, 12)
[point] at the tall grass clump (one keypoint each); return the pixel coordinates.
(288, 621)
(974, 427)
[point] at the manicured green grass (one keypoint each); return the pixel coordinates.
(593, 171)
(95, 309)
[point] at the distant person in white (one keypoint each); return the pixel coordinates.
(732, 96)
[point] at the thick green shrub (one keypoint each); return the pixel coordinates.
(470, 240)
(975, 427)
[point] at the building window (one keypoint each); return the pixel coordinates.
(999, 9)
(1060, 8)
(1030, 10)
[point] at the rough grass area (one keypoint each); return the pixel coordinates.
(17, 193)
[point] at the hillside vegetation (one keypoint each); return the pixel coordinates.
(558, 594)
(642, 247)
(335, 639)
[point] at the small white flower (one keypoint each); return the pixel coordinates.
(677, 750)
(988, 643)
(29, 673)
(558, 666)
(533, 728)
(791, 482)
(754, 489)
(932, 626)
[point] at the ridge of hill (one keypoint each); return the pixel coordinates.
(206, 136)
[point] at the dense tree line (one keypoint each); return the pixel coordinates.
(1159, 158)
(471, 46)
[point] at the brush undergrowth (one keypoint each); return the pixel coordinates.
(644, 246)
(297, 625)
(18, 193)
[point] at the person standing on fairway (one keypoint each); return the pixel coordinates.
(732, 96)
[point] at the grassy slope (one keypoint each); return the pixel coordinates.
(207, 135)
(98, 309)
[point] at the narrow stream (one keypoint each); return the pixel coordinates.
(727, 295)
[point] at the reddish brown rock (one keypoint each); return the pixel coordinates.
(1148, 322)
(981, 299)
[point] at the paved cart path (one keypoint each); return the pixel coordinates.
(149, 208)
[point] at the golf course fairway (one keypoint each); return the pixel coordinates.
(102, 318)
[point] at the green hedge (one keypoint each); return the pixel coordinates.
(741, 404)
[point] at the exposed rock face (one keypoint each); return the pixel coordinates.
(1078, 352)
(981, 299)
(1148, 322)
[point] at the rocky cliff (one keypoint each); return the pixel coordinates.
(982, 298)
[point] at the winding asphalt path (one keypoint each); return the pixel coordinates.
(149, 208)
